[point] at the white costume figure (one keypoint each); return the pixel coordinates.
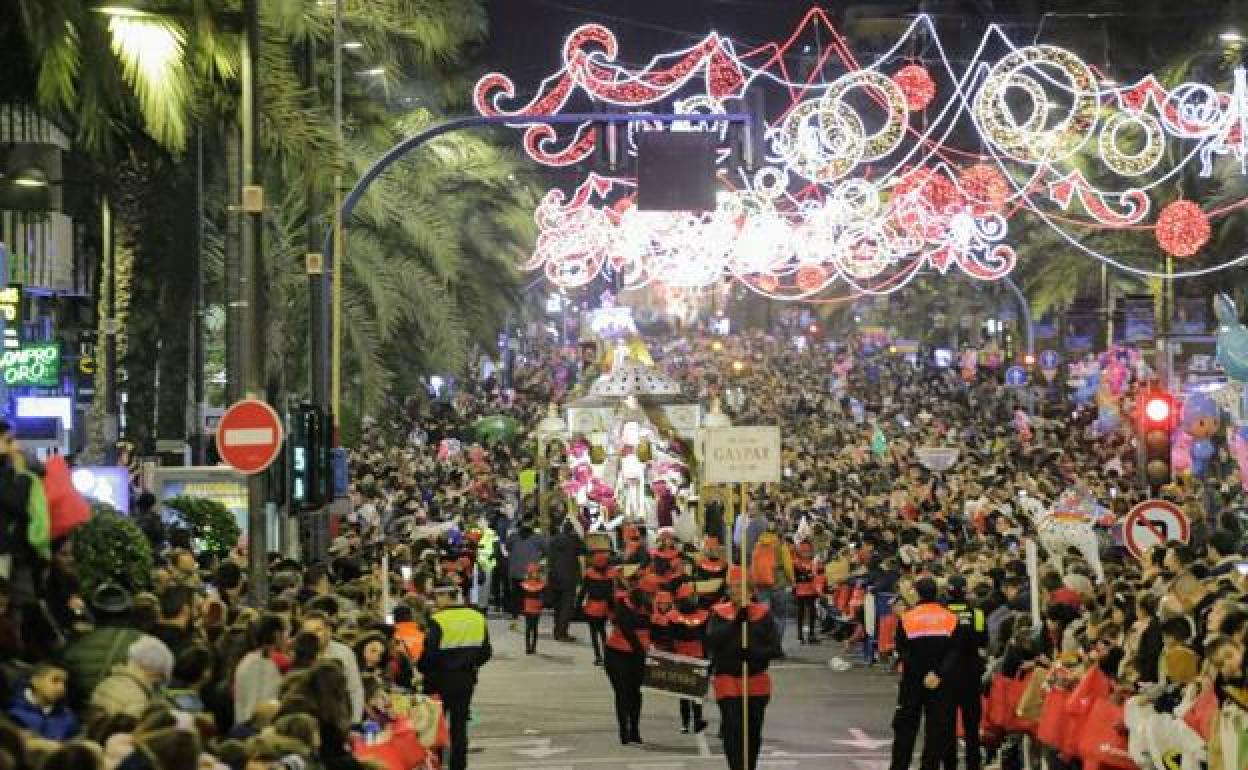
(630, 487)
(1070, 523)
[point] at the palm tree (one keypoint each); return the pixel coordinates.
(133, 87)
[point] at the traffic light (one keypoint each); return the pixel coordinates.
(1156, 419)
(309, 465)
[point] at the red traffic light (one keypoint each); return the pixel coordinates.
(1157, 409)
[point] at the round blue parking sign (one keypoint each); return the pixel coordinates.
(1016, 376)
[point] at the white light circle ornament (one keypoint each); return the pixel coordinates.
(1141, 161)
(861, 255)
(1024, 142)
(886, 139)
(820, 140)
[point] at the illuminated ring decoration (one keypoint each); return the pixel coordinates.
(1132, 164)
(1043, 145)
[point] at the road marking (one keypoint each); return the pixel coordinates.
(860, 740)
(680, 761)
(871, 764)
(704, 748)
(540, 752)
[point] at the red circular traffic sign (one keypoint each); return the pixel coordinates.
(1153, 523)
(249, 436)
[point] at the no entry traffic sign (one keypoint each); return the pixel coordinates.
(1153, 523)
(249, 436)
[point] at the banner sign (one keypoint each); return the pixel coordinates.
(749, 455)
(34, 365)
(677, 675)
(11, 315)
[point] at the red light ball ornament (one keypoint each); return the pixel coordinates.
(811, 278)
(986, 188)
(1182, 229)
(916, 85)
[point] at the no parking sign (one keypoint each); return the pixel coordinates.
(1153, 523)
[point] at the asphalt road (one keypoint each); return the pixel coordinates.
(554, 711)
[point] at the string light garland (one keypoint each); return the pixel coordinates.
(858, 190)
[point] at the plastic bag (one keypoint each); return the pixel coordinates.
(1202, 713)
(1053, 725)
(1103, 738)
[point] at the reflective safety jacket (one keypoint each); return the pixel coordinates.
(970, 637)
(738, 669)
(925, 641)
(457, 641)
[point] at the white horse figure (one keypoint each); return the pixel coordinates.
(1069, 523)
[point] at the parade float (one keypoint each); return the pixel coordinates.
(629, 436)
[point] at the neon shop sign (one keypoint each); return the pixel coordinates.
(35, 365)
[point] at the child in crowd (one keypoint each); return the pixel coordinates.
(533, 600)
(40, 707)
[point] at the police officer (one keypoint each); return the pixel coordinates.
(456, 646)
(925, 642)
(970, 639)
(739, 671)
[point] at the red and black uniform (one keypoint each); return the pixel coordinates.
(597, 594)
(625, 661)
(532, 601)
(668, 565)
(660, 623)
(805, 592)
(687, 622)
(926, 644)
(710, 568)
(739, 670)
(634, 549)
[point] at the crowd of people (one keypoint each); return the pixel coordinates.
(860, 545)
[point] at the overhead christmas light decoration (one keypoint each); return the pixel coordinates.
(860, 186)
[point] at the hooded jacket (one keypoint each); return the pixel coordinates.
(769, 556)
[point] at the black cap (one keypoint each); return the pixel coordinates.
(927, 589)
(111, 599)
(956, 586)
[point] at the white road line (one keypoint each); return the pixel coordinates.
(704, 748)
(679, 761)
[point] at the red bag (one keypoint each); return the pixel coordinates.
(1094, 686)
(1053, 725)
(383, 754)
(407, 744)
(66, 508)
(886, 639)
(842, 599)
(1103, 738)
(1202, 713)
(1003, 698)
(1014, 690)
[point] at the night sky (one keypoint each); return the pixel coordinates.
(526, 35)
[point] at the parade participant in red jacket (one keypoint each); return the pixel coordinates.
(597, 590)
(687, 622)
(806, 591)
(666, 560)
(710, 566)
(633, 550)
(625, 660)
(739, 676)
(533, 599)
(660, 623)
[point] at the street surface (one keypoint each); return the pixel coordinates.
(554, 711)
